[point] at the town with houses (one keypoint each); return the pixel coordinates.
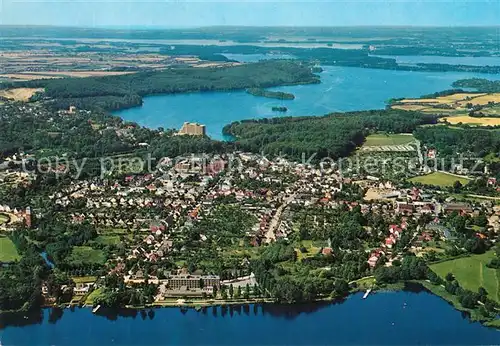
(154, 228)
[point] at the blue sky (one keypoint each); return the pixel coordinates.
(182, 13)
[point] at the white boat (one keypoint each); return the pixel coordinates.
(94, 310)
(367, 293)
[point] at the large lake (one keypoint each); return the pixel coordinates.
(452, 60)
(341, 89)
(397, 318)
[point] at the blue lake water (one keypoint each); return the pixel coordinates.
(397, 318)
(341, 89)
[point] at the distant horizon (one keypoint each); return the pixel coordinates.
(250, 13)
(157, 27)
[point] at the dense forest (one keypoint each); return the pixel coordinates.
(450, 141)
(89, 135)
(464, 146)
(480, 84)
(335, 135)
(113, 92)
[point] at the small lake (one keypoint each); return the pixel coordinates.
(341, 89)
(452, 60)
(394, 318)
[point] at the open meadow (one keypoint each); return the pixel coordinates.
(8, 251)
(19, 94)
(439, 179)
(85, 255)
(466, 119)
(380, 139)
(471, 273)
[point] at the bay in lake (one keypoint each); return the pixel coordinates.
(394, 318)
(341, 89)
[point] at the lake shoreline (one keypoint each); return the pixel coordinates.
(340, 89)
(407, 286)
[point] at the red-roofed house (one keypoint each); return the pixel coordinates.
(390, 241)
(327, 251)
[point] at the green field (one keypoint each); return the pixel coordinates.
(86, 255)
(108, 239)
(92, 296)
(84, 279)
(472, 273)
(8, 251)
(312, 247)
(492, 157)
(439, 179)
(3, 219)
(387, 139)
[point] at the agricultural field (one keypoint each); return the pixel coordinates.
(493, 111)
(472, 273)
(8, 251)
(381, 139)
(439, 179)
(19, 94)
(86, 255)
(78, 74)
(466, 119)
(21, 77)
(482, 100)
(456, 107)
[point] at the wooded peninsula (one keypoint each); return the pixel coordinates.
(123, 91)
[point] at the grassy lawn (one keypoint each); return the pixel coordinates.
(3, 219)
(87, 255)
(108, 239)
(439, 179)
(8, 251)
(366, 282)
(492, 157)
(84, 279)
(311, 247)
(93, 295)
(387, 139)
(472, 273)
(113, 231)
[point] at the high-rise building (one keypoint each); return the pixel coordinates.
(193, 129)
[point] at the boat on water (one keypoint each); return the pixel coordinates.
(94, 310)
(367, 293)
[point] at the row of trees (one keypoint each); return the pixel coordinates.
(486, 307)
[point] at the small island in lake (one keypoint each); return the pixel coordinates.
(270, 94)
(279, 109)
